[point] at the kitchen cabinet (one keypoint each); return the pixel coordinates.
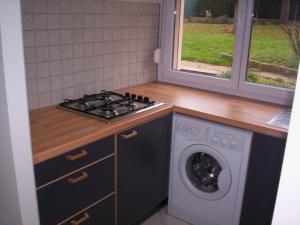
(143, 155)
(73, 160)
(262, 179)
(101, 213)
(79, 186)
(72, 182)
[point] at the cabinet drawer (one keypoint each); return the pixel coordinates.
(66, 163)
(71, 194)
(100, 214)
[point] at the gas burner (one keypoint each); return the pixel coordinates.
(109, 105)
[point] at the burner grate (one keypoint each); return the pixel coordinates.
(108, 105)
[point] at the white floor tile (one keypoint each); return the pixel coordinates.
(154, 220)
(170, 220)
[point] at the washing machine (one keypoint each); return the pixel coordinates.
(208, 171)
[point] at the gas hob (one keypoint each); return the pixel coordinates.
(109, 106)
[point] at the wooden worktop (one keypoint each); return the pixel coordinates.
(236, 111)
(55, 131)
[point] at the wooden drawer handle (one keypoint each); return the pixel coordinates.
(85, 217)
(128, 136)
(82, 154)
(76, 180)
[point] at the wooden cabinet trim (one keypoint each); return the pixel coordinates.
(75, 171)
(88, 207)
(116, 176)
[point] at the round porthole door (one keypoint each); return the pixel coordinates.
(204, 172)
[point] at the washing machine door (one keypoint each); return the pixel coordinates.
(204, 172)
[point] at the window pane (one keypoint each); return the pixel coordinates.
(272, 59)
(205, 36)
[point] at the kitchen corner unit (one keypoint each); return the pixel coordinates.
(95, 183)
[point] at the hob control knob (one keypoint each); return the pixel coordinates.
(127, 94)
(133, 96)
(146, 99)
(140, 97)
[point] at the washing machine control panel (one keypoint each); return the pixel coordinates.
(224, 139)
(213, 134)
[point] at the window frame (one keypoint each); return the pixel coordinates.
(237, 85)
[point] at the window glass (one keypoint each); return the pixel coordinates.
(275, 44)
(205, 36)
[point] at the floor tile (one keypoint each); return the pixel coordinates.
(154, 220)
(170, 220)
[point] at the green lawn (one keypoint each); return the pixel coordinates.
(205, 42)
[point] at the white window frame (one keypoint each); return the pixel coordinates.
(237, 85)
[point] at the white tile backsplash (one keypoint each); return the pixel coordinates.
(44, 99)
(89, 77)
(67, 66)
(42, 54)
(89, 89)
(28, 21)
(65, 6)
(53, 21)
(29, 54)
(56, 83)
(31, 87)
(78, 91)
(68, 93)
(56, 97)
(43, 85)
(66, 21)
(79, 78)
(28, 37)
(55, 68)
(33, 102)
(66, 51)
(30, 69)
(54, 6)
(68, 80)
(40, 21)
(41, 38)
(78, 64)
(54, 37)
(42, 69)
(88, 6)
(66, 37)
(76, 47)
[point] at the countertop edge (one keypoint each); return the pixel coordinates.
(271, 131)
(169, 107)
(116, 128)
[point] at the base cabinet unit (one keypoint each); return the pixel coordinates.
(69, 192)
(143, 155)
(262, 180)
(99, 214)
(76, 191)
(118, 180)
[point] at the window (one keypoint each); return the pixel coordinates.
(240, 47)
(204, 38)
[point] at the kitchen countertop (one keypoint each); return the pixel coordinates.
(55, 131)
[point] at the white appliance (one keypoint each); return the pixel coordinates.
(208, 171)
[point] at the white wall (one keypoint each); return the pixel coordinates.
(17, 188)
(287, 209)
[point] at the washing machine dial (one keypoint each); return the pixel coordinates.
(232, 144)
(224, 142)
(214, 139)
